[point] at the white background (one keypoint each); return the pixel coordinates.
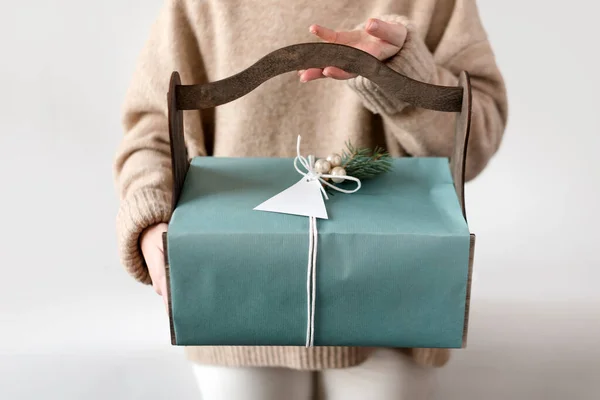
(73, 325)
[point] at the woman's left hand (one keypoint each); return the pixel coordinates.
(380, 39)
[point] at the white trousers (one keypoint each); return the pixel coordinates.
(387, 374)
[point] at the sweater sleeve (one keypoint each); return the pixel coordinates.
(463, 46)
(142, 166)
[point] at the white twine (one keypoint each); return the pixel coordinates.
(314, 175)
(310, 275)
(309, 296)
(311, 271)
(311, 282)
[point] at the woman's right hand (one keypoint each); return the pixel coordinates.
(151, 243)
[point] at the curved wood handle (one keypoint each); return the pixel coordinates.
(318, 55)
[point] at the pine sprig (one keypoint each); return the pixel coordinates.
(364, 163)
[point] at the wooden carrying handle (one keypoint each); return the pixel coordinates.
(319, 55)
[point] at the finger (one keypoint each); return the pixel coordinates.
(163, 288)
(332, 36)
(300, 72)
(165, 295)
(156, 268)
(311, 74)
(158, 284)
(392, 33)
(336, 73)
(157, 288)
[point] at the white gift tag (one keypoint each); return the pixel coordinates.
(304, 198)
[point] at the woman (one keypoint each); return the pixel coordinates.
(428, 40)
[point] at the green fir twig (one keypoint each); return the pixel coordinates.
(364, 163)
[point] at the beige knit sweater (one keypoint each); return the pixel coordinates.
(212, 39)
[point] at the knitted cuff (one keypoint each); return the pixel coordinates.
(414, 60)
(137, 212)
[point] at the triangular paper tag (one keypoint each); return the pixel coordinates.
(303, 198)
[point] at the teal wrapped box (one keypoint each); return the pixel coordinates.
(394, 259)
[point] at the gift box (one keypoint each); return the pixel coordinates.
(389, 267)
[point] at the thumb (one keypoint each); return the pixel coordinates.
(165, 294)
(395, 34)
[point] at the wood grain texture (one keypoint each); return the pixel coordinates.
(168, 278)
(320, 55)
(468, 297)
(179, 154)
(461, 140)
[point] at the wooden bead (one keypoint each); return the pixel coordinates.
(338, 171)
(334, 159)
(322, 166)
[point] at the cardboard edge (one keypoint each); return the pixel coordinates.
(468, 297)
(168, 277)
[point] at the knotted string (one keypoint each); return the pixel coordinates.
(311, 174)
(311, 271)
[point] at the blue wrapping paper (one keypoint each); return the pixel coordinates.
(392, 264)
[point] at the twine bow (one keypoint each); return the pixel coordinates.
(311, 174)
